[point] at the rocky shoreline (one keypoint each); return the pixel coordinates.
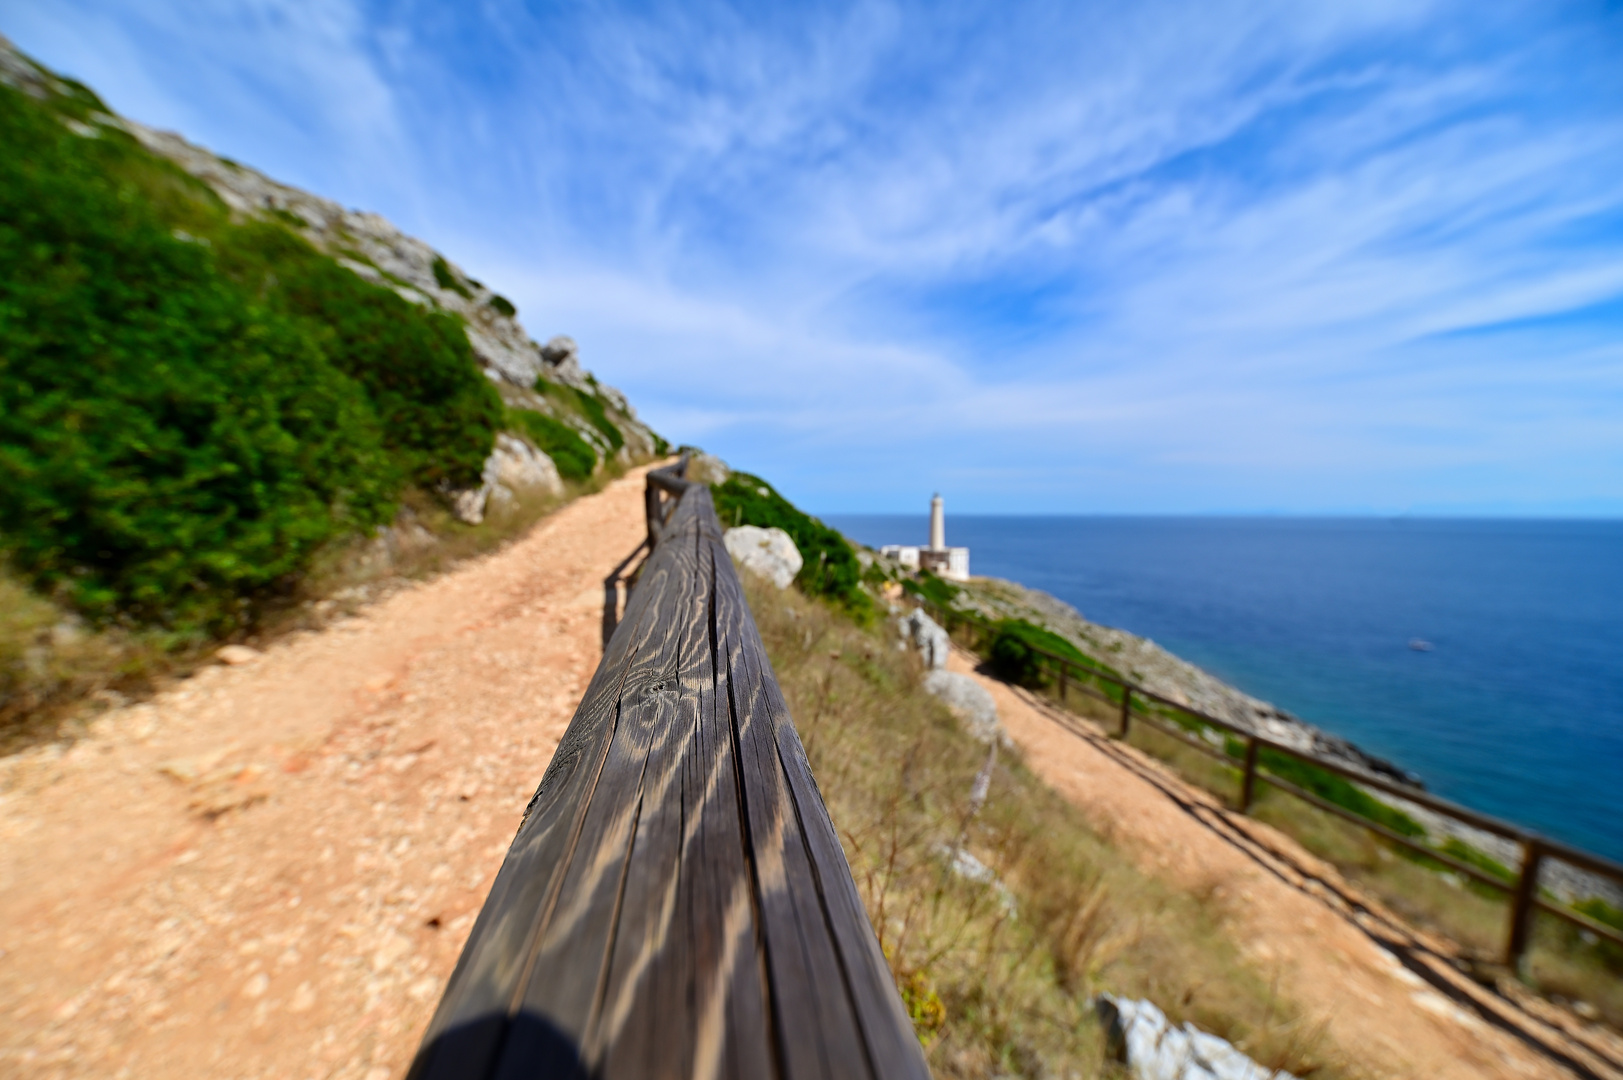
(1176, 679)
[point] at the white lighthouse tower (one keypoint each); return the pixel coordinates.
(949, 562)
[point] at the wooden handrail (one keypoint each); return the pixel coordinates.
(676, 902)
(1536, 849)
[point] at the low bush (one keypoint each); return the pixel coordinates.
(439, 414)
(1014, 657)
(588, 405)
(503, 305)
(191, 407)
(446, 278)
(168, 447)
(1338, 790)
(831, 568)
(571, 453)
(929, 587)
(1610, 954)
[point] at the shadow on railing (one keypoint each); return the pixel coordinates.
(1523, 891)
(676, 902)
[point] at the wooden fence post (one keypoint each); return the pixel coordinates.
(1064, 670)
(1521, 907)
(653, 508)
(1126, 708)
(1248, 782)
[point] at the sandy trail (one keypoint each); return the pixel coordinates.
(1392, 1001)
(270, 870)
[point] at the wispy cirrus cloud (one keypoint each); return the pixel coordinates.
(1157, 256)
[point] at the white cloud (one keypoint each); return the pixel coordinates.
(1156, 256)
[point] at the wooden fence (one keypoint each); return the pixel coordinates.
(1525, 895)
(676, 902)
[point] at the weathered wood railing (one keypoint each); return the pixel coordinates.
(1525, 896)
(676, 902)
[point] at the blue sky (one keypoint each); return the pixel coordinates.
(1152, 257)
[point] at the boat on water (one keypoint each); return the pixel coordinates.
(1420, 645)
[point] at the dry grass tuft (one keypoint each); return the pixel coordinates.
(57, 673)
(997, 966)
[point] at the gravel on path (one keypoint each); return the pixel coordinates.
(1390, 997)
(270, 870)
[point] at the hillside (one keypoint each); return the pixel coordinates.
(213, 386)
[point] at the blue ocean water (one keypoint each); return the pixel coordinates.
(1517, 710)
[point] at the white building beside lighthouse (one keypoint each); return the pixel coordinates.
(951, 563)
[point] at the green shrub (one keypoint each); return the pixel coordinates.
(439, 414)
(933, 589)
(446, 277)
(169, 449)
(1336, 789)
(287, 217)
(571, 453)
(592, 407)
(1014, 657)
(189, 408)
(831, 568)
(1609, 953)
(503, 305)
(588, 405)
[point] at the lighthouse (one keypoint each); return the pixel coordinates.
(949, 562)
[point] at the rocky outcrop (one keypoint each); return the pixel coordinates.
(971, 702)
(1139, 1035)
(929, 638)
(1155, 669)
(767, 552)
(707, 469)
(514, 468)
(371, 247)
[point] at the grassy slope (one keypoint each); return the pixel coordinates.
(1425, 891)
(998, 989)
(202, 417)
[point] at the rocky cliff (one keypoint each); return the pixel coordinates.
(378, 252)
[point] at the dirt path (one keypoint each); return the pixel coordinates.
(1390, 997)
(270, 870)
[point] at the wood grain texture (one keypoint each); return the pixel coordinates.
(676, 902)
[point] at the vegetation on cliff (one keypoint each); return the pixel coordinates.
(207, 398)
(996, 957)
(831, 567)
(189, 407)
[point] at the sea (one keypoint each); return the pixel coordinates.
(1484, 656)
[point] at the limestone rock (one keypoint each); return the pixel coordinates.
(768, 552)
(237, 655)
(518, 466)
(926, 635)
(469, 505)
(970, 701)
(1140, 1034)
(513, 466)
(562, 356)
(708, 469)
(369, 246)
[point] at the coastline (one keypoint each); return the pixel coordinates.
(1168, 674)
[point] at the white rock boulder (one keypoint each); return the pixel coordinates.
(767, 552)
(1155, 1050)
(970, 701)
(708, 469)
(928, 637)
(513, 467)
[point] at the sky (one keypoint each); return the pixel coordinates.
(1203, 257)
